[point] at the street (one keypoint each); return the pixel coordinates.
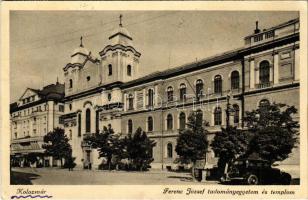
(56, 176)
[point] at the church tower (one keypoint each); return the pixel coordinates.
(120, 60)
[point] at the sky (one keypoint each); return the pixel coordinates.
(41, 42)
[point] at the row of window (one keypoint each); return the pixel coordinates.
(169, 119)
(264, 79)
(36, 109)
(182, 120)
(199, 90)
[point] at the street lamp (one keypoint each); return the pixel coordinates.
(229, 111)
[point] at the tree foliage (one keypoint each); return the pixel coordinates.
(271, 134)
(138, 148)
(192, 142)
(57, 145)
(108, 144)
(275, 131)
(272, 115)
(230, 143)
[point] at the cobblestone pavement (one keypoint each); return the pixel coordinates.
(56, 176)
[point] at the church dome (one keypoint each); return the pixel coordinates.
(120, 30)
(81, 50)
(79, 54)
(120, 36)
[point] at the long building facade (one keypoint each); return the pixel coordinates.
(110, 91)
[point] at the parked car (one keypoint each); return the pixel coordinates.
(254, 172)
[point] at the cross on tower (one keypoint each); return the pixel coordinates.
(81, 45)
(120, 20)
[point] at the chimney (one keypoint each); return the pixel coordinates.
(257, 30)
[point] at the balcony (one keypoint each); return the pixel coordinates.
(264, 85)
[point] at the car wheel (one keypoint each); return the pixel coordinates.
(252, 180)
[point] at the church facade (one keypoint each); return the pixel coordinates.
(109, 91)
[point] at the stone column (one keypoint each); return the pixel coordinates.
(156, 103)
(144, 99)
(50, 116)
(296, 64)
(125, 102)
(252, 73)
(135, 100)
(276, 68)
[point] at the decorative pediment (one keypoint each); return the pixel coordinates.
(29, 93)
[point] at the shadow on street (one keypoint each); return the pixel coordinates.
(22, 178)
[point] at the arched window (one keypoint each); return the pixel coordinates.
(88, 121)
(182, 120)
(109, 70)
(130, 126)
(218, 84)
(169, 150)
(264, 75)
(170, 93)
(169, 122)
(217, 116)
(182, 92)
(130, 102)
(129, 70)
(70, 134)
(71, 83)
(150, 124)
(150, 97)
(199, 88)
(236, 113)
(70, 106)
(235, 80)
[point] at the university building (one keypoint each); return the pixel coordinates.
(36, 113)
(110, 91)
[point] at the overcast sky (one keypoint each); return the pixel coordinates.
(41, 42)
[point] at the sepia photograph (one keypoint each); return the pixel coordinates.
(155, 97)
(171, 96)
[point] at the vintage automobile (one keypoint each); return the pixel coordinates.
(254, 172)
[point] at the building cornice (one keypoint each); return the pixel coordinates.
(121, 47)
(214, 60)
(93, 91)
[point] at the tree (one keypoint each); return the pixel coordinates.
(229, 144)
(275, 131)
(192, 142)
(57, 145)
(139, 149)
(107, 143)
(271, 135)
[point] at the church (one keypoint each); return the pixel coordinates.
(109, 91)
